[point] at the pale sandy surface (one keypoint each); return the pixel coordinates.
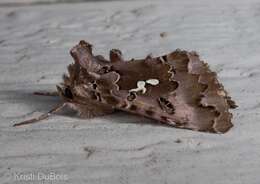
(120, 148)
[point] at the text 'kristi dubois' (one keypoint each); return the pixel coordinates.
(40, 176)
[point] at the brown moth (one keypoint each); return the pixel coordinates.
(177, 89)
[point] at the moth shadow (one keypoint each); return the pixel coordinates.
(28, 99)
(122, 117)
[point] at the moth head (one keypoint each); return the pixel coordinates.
(65, 92)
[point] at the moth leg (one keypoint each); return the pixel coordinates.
(41, 117)
(54, 93)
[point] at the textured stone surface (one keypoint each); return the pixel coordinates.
(121, 148)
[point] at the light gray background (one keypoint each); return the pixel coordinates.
(121, 148)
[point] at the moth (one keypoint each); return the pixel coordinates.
(177, 89)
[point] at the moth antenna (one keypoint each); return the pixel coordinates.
(55, 93)
(41, 117)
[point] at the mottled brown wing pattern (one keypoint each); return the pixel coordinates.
(177, 89)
